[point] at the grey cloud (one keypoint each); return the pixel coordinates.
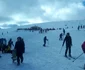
(22, 22)
(32, 9)
(17, 6)
(84, 2)
(20, 4)
(76, 13)
(5, 19)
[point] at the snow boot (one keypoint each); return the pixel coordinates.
(65, 55)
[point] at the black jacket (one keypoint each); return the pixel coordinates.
(45, 39)
(20, 47)
(68, 41)
(10, 43)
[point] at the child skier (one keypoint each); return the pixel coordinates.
(45, 39)
(14, 55)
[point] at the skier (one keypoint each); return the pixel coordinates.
(78, 27)
(45, 39)
(83, 48)
(20, 49)
(60, 36)
(63, 31)
(68, 41)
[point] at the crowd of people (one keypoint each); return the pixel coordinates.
(81, 27)
(67, 40)
(16, 50)
(19, 46)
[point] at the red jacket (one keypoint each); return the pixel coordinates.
(83, 46)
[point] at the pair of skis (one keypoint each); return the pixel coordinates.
(69, 58)
(76, 57)
(82, 68)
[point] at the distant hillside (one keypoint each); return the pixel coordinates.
(53, 24)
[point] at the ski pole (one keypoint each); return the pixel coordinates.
(77, 57)
(61, 49)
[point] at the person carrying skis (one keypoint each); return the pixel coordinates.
(68, 41)
(20, 49)
(45, 39)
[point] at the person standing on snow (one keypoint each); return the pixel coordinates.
(63, 31)
(60, 36)
(10, 43)
(45, 39)
(20, 49)
(68, 41)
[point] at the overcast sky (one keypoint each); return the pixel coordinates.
(37, 11)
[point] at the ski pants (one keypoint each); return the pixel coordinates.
(19, 58)
(68, 48)
(44, 43)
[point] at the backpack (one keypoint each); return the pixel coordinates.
(83, 46)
